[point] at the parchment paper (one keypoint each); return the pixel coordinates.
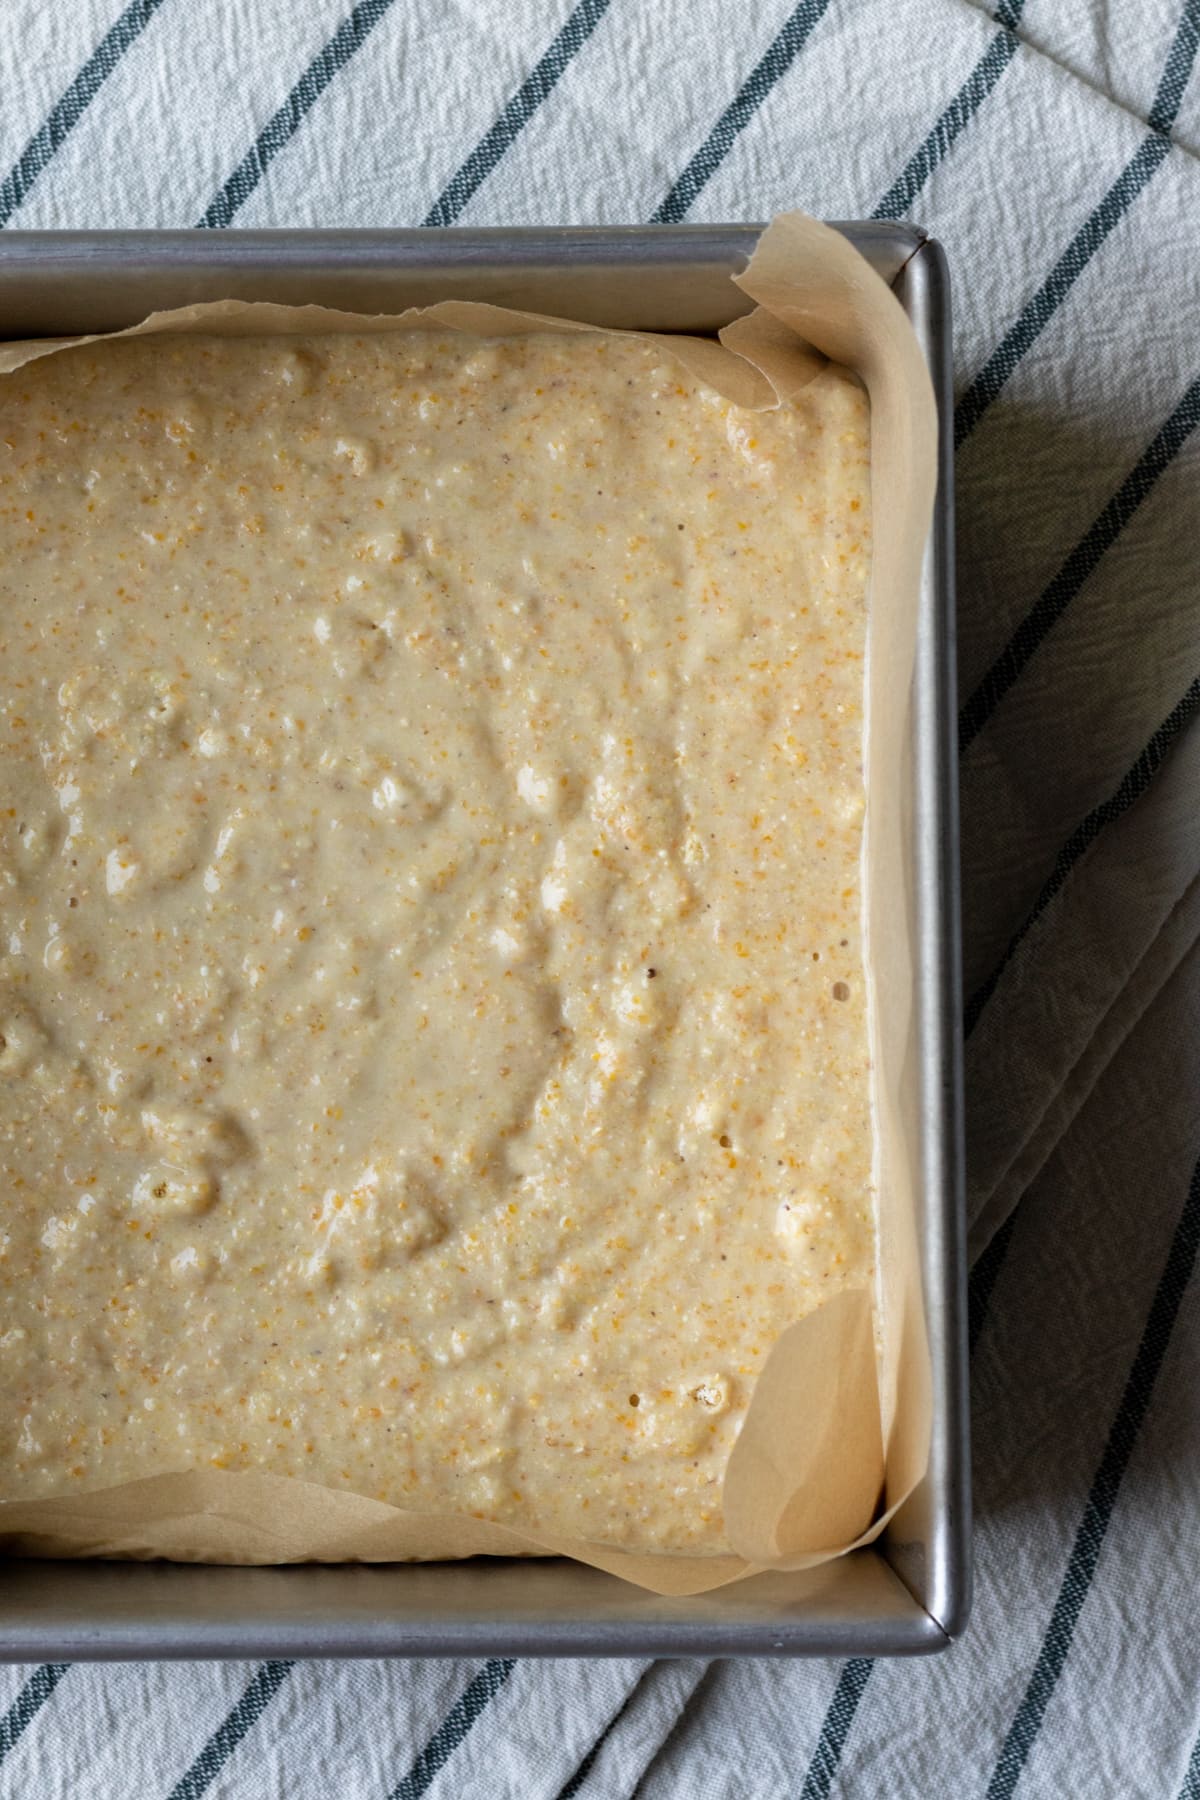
(837, 1432)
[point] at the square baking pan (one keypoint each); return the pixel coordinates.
(909, 1593)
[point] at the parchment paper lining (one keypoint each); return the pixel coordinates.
(837, 1432)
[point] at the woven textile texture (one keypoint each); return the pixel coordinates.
(1052, 146)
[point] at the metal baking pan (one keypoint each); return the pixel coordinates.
(911, 1592)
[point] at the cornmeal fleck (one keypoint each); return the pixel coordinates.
(432, 1003)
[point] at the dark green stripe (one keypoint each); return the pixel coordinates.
(848, 1692)
(987, 1269)
(838, 1720)
(267, 1681)
(1045, 303)
(1089, 1538)
(1102, 1498)
(517, 114)
(349, 37)
(758, 84)
(67, 113)
(1080, 251)
(586, 1766)
(853, 1679)
(953, 122)
(1133, 785)
(454, 1728)
(1099, 538)
(1178, 70)
(32, 1697)
(1191, 1780)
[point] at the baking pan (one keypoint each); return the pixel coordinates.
(908, 1594)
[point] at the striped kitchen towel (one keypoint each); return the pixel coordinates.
(1051, 145)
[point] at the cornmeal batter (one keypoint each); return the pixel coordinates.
(433, 1019)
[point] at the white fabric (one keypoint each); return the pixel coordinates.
(1080, 1673)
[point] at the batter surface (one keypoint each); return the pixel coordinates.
(431, 1004)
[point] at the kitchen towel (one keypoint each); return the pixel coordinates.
(1052, 146)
